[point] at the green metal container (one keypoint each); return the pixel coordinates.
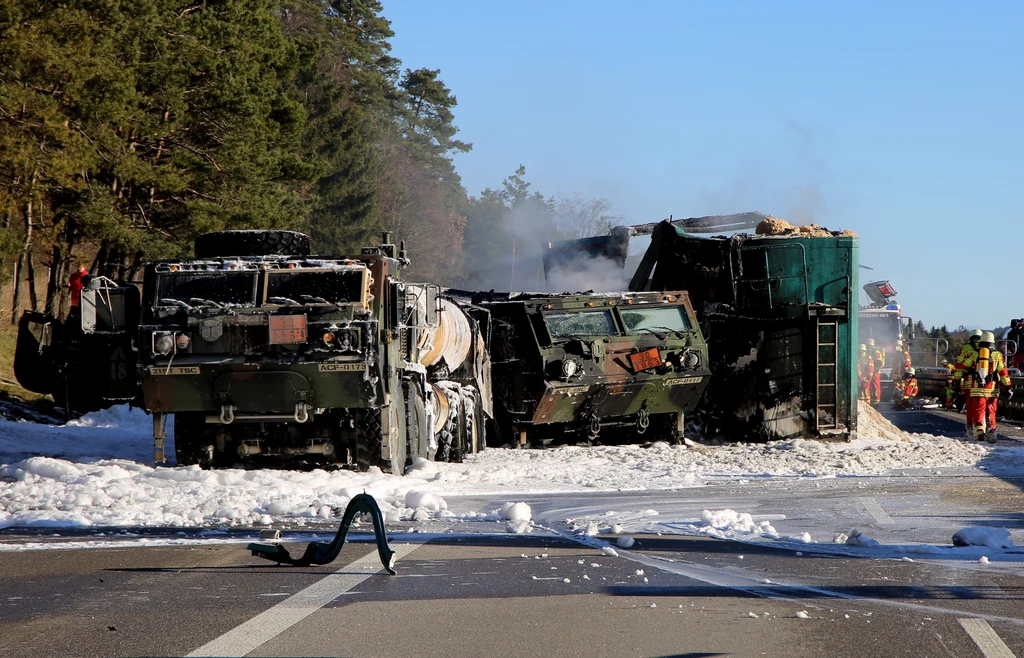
(780, 314)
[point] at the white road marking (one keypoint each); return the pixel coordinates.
(987, 640)
(875, 510)
(249, 635)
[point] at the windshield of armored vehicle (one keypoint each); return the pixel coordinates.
(580, 323)
(644, 320)
(316, 286)
(221, 287)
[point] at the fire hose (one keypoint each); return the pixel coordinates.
(323, 552)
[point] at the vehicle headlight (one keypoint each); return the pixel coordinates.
(691, 360)
(163, 343)
(181, 341)
(571, 368)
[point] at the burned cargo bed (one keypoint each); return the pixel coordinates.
(781, 323)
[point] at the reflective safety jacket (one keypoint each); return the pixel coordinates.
(910, 389)
(998, 374)
(865, 367)
(879, 356)
(964, 360)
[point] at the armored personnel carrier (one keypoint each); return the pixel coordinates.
(576, 367)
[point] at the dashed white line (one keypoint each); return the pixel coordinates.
(268, 624)
(987, 640)
(875, 510)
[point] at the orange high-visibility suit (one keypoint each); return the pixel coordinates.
(983, 396)
(910, 391)
(900, 363)
(878, 356)
(865, 371)
(964, 360)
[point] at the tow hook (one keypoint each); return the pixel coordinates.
(301, 412)
(227, 414)
(325, 553)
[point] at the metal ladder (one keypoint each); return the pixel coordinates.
(826, 373)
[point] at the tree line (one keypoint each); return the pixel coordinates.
(128, 128)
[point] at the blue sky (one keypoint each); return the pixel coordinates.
(901, 121)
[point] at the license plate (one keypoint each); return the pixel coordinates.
(645, 360)
(341, 367)
(174, 370)
(287, 329)
(684, 380)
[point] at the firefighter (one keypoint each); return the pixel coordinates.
(900, 361)
(951, 388)
(897, 392)
(878, 358)
(865, 370)
(910, 389)
(968, 353)
(983, 376)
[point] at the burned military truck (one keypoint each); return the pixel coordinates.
(264, 355)
(593, 367)
(779, 312)
(86, 362)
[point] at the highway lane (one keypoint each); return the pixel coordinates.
(472, 594)
(469, 593)
(507, 596)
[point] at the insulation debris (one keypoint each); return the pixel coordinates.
(780, 227)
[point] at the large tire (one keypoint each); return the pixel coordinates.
(252, 243)
(368, 440)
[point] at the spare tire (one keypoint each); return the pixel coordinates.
(252, 243)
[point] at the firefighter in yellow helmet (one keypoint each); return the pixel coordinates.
(910, 389)
(982, 379)
(878, 358)
(900, 360)
(951, 388)
(967, 355)
(865, 371)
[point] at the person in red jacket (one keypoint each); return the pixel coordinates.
(878, 361)
(910, 389)
(76, 284)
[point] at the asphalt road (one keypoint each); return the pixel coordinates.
(466, 594)
(476, 597)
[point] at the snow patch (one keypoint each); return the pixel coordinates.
(988, 537)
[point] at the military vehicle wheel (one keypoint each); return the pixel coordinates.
(252, 243)
(191, 439)
(367, 440)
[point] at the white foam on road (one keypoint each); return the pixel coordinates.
(97, 471)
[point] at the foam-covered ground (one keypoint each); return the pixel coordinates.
(97, 471)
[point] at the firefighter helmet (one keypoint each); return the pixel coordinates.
(910, 373)
(988, 338)
(975, 334)
(863, 347)
(871, 342)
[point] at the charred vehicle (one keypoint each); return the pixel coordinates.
(264, 355)
(779, 311)
(87, 361)
(262, 351)
(579, 367)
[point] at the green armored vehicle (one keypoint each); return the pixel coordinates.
(263, 355)
(578, 367)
